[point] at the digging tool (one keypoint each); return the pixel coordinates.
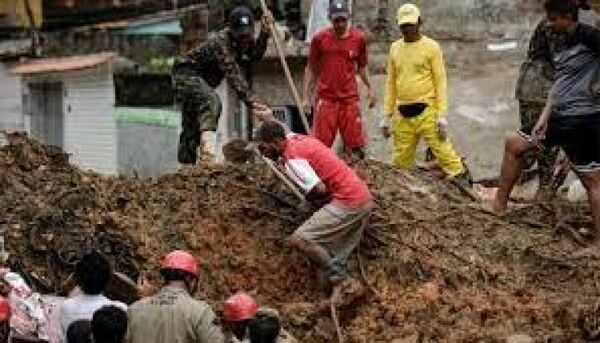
(240, 151)
(284, 178)
(286, 69)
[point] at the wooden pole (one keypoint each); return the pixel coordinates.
(286, 69)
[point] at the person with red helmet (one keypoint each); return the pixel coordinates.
(239, 313)
(5, 313)
(173, 315)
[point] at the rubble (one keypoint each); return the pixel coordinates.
(433, 266)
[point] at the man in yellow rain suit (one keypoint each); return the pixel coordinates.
(416, 100)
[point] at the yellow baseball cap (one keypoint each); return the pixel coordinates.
(408, 14)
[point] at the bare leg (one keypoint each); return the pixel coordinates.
(514, 148)
(591, 182)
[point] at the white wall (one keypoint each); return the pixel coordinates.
(11, 111)
(90, 134)
(231, 117)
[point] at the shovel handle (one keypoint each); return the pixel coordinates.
(285, 180)
(286, 69)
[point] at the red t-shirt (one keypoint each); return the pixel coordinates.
(337, 61)
(341, 181)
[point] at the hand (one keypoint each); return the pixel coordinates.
(266, 21)
(306, 106)
(442, 127)
(262, 112)
(539, 132)
(372, 99)
(385, 130)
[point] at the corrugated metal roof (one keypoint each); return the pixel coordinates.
(49, 65)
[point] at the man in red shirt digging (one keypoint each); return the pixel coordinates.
(336, 55)
(334, 231)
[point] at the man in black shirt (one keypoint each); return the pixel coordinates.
(571, 117)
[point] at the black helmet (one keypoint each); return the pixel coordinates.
(241, 20)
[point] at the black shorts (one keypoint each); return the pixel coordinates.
(579, 137)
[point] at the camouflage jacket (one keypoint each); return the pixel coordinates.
(537, 72)
(219, 57)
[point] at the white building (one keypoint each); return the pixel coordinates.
(69, 102)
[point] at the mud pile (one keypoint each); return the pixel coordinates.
(434, 267)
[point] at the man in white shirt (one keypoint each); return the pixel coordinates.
(92, 274)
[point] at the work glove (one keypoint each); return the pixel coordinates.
(266, 22)
(442, 127)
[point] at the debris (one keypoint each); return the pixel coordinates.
(519, 339)
(237, 151)
(577, 192)
(504, 46)
(430, 292)
(497, 274)
(122, 288)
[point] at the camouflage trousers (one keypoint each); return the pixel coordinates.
(200, 111)
(529, 113)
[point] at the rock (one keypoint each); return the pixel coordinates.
(519, 339)
(430, 292)
(122, 288)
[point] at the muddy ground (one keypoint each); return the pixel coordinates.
(434, 267)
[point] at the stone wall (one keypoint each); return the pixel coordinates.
(465, 19)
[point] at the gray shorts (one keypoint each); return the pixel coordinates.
(337, 228)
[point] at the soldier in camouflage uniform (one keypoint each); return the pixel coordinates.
(227, 54)
(535, 80)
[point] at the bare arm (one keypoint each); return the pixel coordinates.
(541, 126)
(366, 79)
(308, 87)
(308, 84)
(311, 72)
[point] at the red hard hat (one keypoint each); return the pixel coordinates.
(239, 307)
(180, 260)
(4, 310)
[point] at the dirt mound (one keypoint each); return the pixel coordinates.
(432, 265)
